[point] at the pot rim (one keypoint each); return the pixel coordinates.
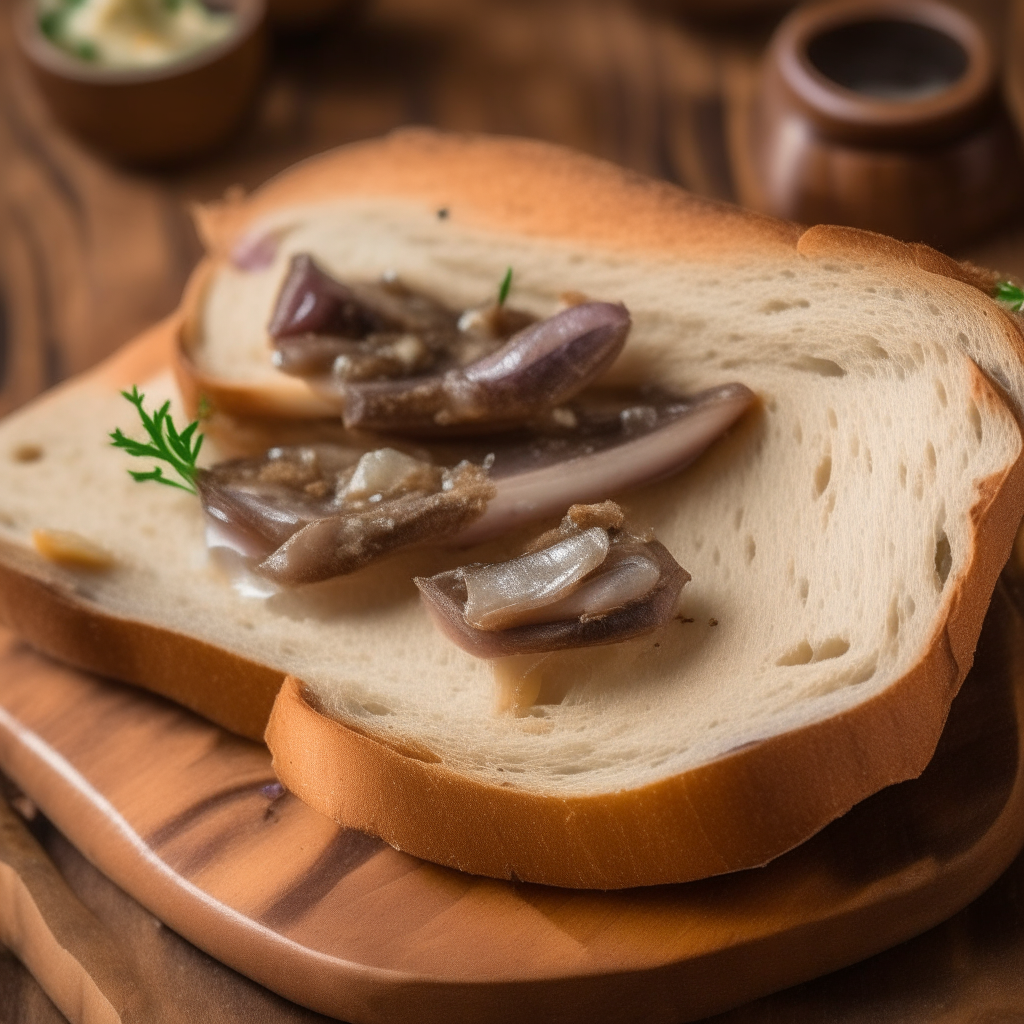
(845, 114)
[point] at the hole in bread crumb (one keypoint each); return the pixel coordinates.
(815, 364)
(804, 589)
(372, 707)
(910, 606)
(892, 620)
(27, 453)
(940, 390)
(974, 415)
(903, 475)
(833, 420)
(929, 454)
(943, 558)
(750, 548)
(873, 349)
(833, 647)
(822, 475)
(799, 655)
(781, 305)
(853, 676)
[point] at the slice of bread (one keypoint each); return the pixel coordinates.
(843, 540)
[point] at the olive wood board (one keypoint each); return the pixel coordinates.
(190, 821)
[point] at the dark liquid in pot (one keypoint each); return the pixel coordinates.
(889, 60)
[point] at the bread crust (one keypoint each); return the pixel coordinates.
(736, 812)
(223, 687)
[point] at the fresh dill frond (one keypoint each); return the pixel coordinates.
(180, 450)
(506, 287)
(1009, 295)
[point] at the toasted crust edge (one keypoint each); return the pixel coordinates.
(232, 691)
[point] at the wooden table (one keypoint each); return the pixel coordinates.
(90, 254)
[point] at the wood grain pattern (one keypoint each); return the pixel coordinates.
(967, 969)
(173, 982)
(191, 822)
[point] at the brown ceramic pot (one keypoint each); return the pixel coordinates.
(154, 115)
(886, 115)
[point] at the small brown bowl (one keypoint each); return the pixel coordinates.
(157, 115)
(886, 115)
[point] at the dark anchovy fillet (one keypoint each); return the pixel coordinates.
(321, 326)
(445, 597)
(286, 510)
(538, 368)
(603, 455)
(293, 515)
(341, 544)
(334, 333)
(264, 501)
(400, 362)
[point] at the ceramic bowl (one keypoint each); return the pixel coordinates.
(153, 115)
(886, 115)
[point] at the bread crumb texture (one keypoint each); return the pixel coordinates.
(825, 535)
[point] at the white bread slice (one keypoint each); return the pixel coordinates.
(843, 540)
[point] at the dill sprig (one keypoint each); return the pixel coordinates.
(180, 450)
(1009, 295)
(506, 287)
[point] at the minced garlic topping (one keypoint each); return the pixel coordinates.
(132, 33)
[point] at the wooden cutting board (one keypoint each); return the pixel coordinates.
(190, 821)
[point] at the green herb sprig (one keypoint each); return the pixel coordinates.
(180, 450)
(1009, 295)
(505, 288)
